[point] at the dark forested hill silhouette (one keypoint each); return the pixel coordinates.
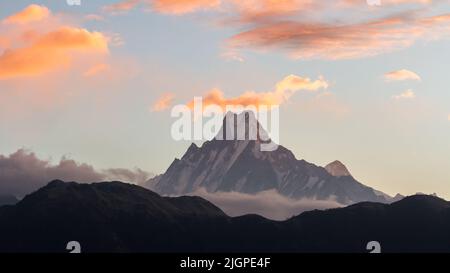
(119, 217)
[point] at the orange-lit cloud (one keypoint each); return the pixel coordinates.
(409, 1)
(122, 6)
(294, 83)
(258, 10)
(50, 51)
(30, 14)
(387, 2)
(244, 11)
(96, 69)
(331, 41)
(248, 10)
(402, 75)
(173, 7)
(163, 103)
(282, 93)
(4, 42)
(48, 45)
(408, 94)
(183, 6)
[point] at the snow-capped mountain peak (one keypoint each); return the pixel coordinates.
(242, 126)
(240, 166)
(336, 168)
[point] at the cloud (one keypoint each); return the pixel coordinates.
(32, 13)
(94, 17)
(248, 10)
(408, 94)
(136, 175)
(388, 2)
(4, 42)
(282, 93)
(402, 75)
(46, 46)
(232, 55)
(178, 7)
(171, 7)
(50, 51)
(251, 11)
(96, 69)
(342, 41)
(122, 6)
(295, 83)
(164, 102)
(304, 29)
(269, 204)
(23, 172)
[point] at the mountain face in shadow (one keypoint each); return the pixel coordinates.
(241, 166)
(118, 217)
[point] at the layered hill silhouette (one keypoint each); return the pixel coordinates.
(240, 165)
(8, 200)
(118, 217)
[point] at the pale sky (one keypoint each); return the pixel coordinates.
(85, 81)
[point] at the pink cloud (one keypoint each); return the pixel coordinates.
(347, 41)
(402, 75)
